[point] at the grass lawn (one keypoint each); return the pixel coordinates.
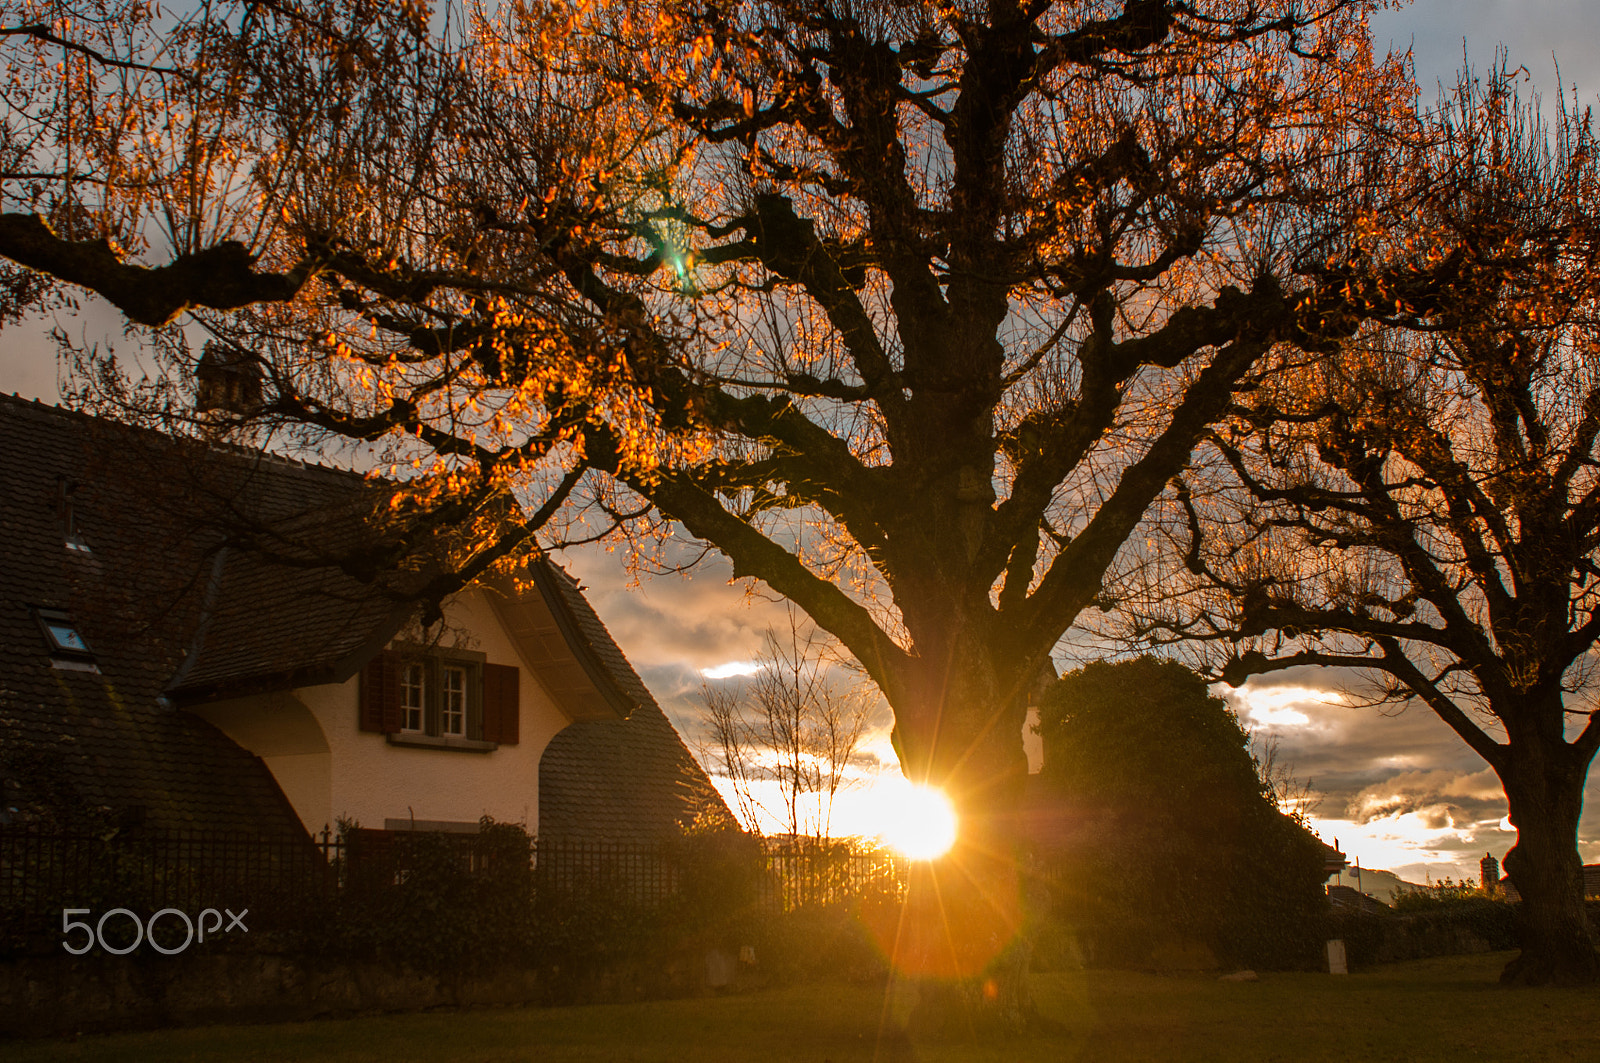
(1444, 1009)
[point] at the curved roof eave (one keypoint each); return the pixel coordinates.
(565, 642)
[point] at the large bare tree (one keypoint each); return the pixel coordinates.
(910, 309)
(1424, 507)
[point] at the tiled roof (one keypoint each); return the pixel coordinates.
(630, 781)
(97, 745)
(288, 619)
(1347, 900)
(277, 610)
(597, 653)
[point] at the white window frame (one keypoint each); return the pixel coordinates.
(413, 696)
(446, 713)
(455, 689)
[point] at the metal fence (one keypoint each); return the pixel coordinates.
(786, 874)
(52, 879)
(557, 869)
(808, 874)
(46, 869)
(282, 879)
(641, 875)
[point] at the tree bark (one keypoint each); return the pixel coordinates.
(1544, 782)
(964, 935)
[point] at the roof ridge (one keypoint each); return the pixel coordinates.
(241, 450)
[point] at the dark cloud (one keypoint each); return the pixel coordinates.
(1442, 800)
(1340, 747)
(1396, 781)
(1396, 785)
(694, 620)
(672, 626)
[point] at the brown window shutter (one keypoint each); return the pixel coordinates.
(380, 694)
(500, 709)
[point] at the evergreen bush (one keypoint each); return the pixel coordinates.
(1175, 844)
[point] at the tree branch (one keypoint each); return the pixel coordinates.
(221, 277)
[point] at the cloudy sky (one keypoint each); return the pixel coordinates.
(1399, 791)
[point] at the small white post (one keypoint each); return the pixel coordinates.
(1336, 963)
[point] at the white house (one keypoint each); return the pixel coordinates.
(219, 673)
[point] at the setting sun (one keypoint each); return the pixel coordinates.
(921, 823)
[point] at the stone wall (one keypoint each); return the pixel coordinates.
(54, 996)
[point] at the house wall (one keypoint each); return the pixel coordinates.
(289, 739)
(344, 772)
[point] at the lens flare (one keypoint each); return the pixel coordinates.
(921, 824)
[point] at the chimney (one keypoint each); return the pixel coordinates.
(227, 380)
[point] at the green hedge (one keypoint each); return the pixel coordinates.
(1453, 927)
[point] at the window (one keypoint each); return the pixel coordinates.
(413, 697)
(440, 699)
(68, 648)
(453, 700)
(439, 695)
(61, 634)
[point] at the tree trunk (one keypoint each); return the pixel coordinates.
(1544, 787)
(964, 935)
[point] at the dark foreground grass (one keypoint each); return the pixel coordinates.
(1446, 1010)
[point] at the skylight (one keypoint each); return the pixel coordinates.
(62, 634)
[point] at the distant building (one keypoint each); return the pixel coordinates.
(1591, 884)
(1488, 872)
(1333, 860)
(1345, 900)
(1381, 885)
